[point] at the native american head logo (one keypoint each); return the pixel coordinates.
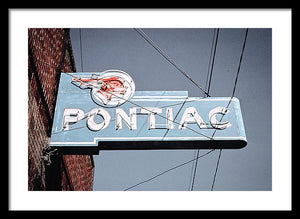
(110, 88)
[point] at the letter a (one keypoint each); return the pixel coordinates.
(191, 116)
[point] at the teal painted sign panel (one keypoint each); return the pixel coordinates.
(146, 120)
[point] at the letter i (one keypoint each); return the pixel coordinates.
(169, 120)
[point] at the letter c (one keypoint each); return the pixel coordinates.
(213, 120)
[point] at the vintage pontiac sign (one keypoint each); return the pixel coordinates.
(102, 111)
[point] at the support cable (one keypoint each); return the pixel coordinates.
(142, 107)
(205, 92)
(165, 55)
(168, 170)
(233, 92)
(208, 79)
(216, 170)
(81, 60)
(213, 60)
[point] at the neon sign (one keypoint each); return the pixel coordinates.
(102, 111)
(190, 116)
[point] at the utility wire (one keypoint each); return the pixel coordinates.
(209, 62)
(81, 60)
(239, 67)
(165, 55)
(176, 116)
(233, 92)
(205, 92)
(195, 170)
(69, 74)
(164, 172)
(217, 167)
(213, 60)
(208, 81)
(168, 170)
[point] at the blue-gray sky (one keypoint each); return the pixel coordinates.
(246, 169)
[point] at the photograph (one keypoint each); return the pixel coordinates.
(197, 104)
(135, 109)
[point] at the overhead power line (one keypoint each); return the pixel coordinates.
(168, 170)
(216, 170)
(208, 81)
(239, 67)
(214, 49)
(154, 45)
(81, 59)
(142, 107)
(233, 92)
(165, 55)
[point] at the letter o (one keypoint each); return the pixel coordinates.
(92, 125)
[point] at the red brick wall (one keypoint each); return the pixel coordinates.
(80, 171)
(49, 54)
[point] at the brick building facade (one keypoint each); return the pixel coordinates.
(49, 54)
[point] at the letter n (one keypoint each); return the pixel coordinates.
(130, 120)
